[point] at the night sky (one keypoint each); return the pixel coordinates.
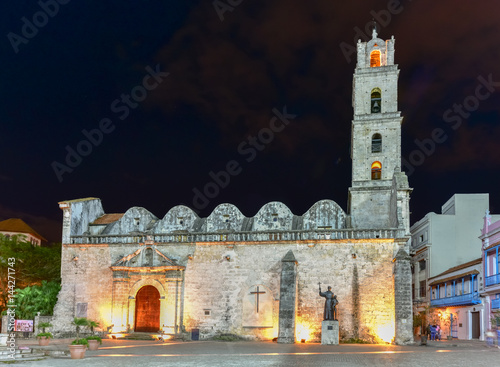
(217, 77)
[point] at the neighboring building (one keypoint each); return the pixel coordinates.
(258, 276)
(455, 294)
(18, 227)
(442, 241)
(490, 237)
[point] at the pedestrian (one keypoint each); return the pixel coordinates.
(490, 338)
(433, 332)
(438, 332)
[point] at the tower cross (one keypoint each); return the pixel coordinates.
(257, 297)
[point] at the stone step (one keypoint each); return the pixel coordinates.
(23, 357)
(140, 336)
(25, 354)
(5, 350)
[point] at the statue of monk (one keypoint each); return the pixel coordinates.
(330, 312)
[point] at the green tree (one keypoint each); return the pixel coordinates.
(37, 298)
(24, 264)
(93, 324)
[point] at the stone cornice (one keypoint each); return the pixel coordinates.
(344, 235)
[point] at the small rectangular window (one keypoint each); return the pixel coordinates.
(421, 238)
(421, 265)
(423, 288)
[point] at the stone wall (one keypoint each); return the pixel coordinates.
(219, 278)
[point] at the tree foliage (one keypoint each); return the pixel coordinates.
(79, 323)
(31, 265)
(37, 298)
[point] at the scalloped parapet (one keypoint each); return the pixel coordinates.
(178, 219)
(325, 214)
(325, 220)
(135, 220)
(224, 218)
(273, 216)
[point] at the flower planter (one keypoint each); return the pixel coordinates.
(43, 341)
(77, 351)
(93, 344)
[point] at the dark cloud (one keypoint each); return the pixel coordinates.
(225, 79)
(471, 148)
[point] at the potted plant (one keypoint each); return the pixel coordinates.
(44, 337)
(94, 342)
(79, 345)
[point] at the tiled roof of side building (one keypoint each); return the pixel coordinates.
(18, 225)
(458, 276)
(459, 267)
(108, 218)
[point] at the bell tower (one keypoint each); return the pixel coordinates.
(375, 137)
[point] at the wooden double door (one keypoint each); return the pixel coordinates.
(147, 309)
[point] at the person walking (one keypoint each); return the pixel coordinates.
(433, 332)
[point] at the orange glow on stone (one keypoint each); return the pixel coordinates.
(302, 329)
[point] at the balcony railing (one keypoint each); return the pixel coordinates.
(495, 304)
(339, 234)
(464, 299)
(493, 279)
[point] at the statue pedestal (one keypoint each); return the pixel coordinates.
(330, 332)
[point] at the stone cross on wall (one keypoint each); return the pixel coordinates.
(257, 297)
(258, 304)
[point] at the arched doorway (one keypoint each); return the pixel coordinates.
(147, 309)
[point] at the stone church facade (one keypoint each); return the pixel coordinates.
(258, 277)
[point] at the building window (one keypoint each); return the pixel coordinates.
(376, 170)
(375, 58)
(376, 143)
(376, 100)
(421, 265)
(421, 238)
(422, 288)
